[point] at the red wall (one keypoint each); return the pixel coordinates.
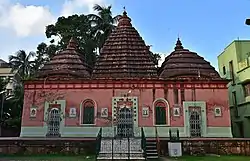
(103, 98)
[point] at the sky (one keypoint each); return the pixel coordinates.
(205, 27)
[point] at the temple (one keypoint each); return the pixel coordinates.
(125, 92)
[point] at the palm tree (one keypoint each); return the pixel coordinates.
(22, 64)
(103, 23)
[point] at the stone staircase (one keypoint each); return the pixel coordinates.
(151, 149)
(123, 149)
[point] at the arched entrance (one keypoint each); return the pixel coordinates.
(53, 123)
(195, 123)
(125, 122)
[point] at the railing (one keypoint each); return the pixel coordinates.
(128, 148)
(98, 142)
(143, 143)
(174, 136)
(112, 153)
(115, 146)
(158, 147)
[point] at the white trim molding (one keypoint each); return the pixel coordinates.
(202, 105)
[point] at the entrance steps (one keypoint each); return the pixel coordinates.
(123, 149)
(151, 149)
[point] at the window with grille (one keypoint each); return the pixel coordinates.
(88, 112)
(160, 113)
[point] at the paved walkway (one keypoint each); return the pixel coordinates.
(166, 159)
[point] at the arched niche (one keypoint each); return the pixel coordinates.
(161, 112)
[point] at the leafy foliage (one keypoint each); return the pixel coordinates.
(102, 24)
(79, 27)
(22, 64)
(156, 58)
(13, 108)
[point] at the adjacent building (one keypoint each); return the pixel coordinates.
(7, 74)
(234, 64)
(125, 92)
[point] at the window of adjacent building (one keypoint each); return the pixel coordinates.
(246, 89)
(88, 112)
(235, 105)
(224, 70)
(160, 113)
(231, 69)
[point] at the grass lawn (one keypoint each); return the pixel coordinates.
(91, 158)
(47, 158)
(211, 158)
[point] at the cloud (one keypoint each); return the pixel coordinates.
(22, 27)
(75, 6)
(24, 20)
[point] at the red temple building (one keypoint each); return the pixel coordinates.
(126, 92)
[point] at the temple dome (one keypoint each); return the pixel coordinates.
(184, 63)
(66, 64)
(125, 54)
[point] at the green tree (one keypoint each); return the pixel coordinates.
(3, 83)
(13, 106)
(79, 27)
(155, 57)
(40, 57)
(43, 54)
(22, 64)
(103, 23)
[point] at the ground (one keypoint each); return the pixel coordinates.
(47, 158)
(84, 158)
(209, 158)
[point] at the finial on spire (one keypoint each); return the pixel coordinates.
(124, 20)
(178, 45)
(124, 11)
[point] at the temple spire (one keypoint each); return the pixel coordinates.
(178, 45)
(124, 21)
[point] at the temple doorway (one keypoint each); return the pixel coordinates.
(53, 123)
(195, 122)
(125, 122)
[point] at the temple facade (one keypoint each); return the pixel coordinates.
(125, 92)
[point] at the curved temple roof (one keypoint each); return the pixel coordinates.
(124, 54)
(67, 63)
(184, 63)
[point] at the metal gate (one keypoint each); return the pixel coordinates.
(125, 122)
(195, 122)
(53, 124)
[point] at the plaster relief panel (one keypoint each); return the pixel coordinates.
(33, 112)
(145, 111)
(217, 111)
(72, 112)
